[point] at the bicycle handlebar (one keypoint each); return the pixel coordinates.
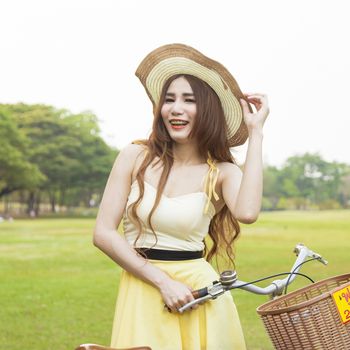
(228, 280)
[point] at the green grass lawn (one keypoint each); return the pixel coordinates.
(58, 290)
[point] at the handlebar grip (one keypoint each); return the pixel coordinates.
(200, 293)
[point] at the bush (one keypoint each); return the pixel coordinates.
(329, 204)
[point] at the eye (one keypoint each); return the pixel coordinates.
(190, 100)
(168, 100)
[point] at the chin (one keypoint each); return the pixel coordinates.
(178, 137)
(181, 140)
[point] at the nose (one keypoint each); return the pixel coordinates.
(177, 108)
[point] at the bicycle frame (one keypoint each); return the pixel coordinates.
(228, 280)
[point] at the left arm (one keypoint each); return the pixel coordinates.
(243, 193)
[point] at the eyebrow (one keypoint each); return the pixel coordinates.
(184, 94)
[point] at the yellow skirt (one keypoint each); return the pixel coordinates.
(140, 317)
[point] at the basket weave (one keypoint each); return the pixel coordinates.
(307, 318)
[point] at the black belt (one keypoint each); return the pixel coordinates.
(171, 255)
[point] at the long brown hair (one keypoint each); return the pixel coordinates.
(210, 131)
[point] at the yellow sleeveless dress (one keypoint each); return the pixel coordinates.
(181, 223)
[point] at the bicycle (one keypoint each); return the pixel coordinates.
(313, 317)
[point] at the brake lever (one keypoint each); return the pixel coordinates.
(227, 278)
(311, 254)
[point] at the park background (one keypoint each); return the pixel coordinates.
(69, 101)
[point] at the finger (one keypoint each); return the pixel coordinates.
(256, 102)
(188, 298)
(257, 96)
(258, 99)
(174, 308)
(259, 102)
(253, 105)
(255, 99)
(183, 302)
(172, 305)
(244, 105)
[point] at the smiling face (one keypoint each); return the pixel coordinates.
(179, 110)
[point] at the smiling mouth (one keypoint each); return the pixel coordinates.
(178, 122)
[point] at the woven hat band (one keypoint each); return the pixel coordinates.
(169, 67)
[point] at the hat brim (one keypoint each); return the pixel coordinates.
(169, 60)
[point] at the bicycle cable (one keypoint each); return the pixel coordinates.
(294, 273)
(276, 275)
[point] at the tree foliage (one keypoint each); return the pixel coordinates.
(62, 151)
(17, 172)
(306, 181)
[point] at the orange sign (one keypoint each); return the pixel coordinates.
(342, 301)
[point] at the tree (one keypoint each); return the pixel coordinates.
(344, 190)
(272, 187)
(67, 149)
(306, 179)
(95, 156)
(17, 172)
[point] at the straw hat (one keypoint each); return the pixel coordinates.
(168, 60)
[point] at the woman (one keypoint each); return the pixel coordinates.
(171, 191)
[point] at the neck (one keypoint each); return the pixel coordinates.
(187, 154)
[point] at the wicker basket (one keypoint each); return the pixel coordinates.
(307, 318)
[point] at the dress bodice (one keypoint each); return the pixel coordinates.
(180, 223)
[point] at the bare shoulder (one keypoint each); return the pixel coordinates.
(127, 157)
(132, 151)
(130, 159)
(229, 170)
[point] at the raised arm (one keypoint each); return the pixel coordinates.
(243, 193)
(108, 240)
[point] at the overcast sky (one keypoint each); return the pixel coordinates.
(82, 55)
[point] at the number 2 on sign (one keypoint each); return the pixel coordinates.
(347, 314)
